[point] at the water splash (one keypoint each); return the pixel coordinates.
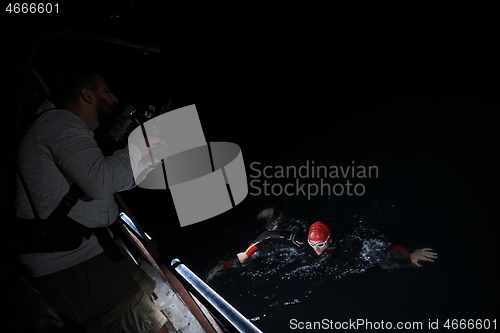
(350, 253)
(283, 275)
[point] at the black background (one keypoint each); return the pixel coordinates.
(411, 88)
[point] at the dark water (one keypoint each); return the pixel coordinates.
(397, 88)
(435, 188)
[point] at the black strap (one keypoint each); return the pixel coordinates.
(103, 237)
(60, 213)
(108, 244)
(35, 212)
(68, 201)
(18, 170)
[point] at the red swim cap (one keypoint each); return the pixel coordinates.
(319, 232)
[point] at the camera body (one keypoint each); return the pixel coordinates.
(128, 120)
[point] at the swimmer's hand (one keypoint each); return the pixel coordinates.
(242, 256)
(422, 255)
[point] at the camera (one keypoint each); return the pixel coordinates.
(129, 119)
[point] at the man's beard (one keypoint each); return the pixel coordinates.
(104, 110)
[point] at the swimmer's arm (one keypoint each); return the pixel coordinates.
(263, 240)
(422, 255)
(242, 257)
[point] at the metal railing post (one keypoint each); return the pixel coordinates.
(241, 323)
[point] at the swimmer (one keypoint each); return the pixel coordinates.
(319, 239)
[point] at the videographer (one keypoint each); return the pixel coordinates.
(95, 284)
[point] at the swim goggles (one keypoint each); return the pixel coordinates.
(320, 243)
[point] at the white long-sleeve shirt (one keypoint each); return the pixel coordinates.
(58, 150)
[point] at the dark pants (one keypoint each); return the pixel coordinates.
(104, 296)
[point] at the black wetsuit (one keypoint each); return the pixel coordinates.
(283, 237)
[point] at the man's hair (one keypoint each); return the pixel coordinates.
(71, 80)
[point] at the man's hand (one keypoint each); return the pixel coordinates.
(139, 140)
(153, 154)
(422, 254)
(242, 256)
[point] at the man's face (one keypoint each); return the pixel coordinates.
(105, 101)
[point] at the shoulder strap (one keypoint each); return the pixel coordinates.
(32, 204)
(68, 201)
